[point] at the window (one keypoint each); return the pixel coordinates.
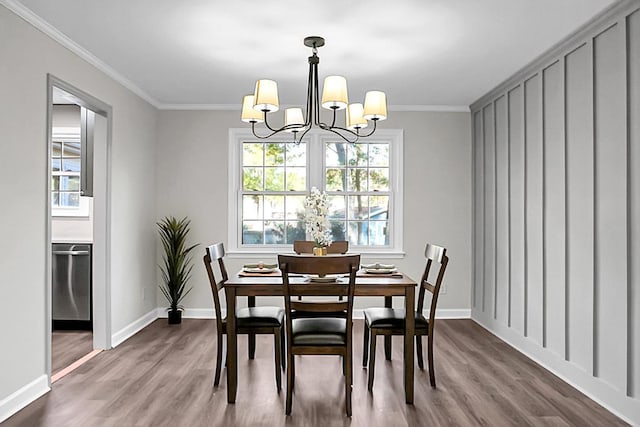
(65, 170)
(270, 180)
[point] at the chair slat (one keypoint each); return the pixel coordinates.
(319, 306)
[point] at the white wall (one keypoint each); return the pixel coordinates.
(192, 180)
(26, 56)
(557, 210)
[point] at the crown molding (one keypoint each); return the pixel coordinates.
(237, 107)
(49, 30)
(569, 43)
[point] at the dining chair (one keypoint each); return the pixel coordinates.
(250, 320)
(329, 330)
(390, 321)
(306, 247)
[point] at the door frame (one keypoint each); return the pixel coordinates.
(101, 283)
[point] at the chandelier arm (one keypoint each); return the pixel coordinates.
(316, 95)
(336, 129)
(309, 112)
(375, 122)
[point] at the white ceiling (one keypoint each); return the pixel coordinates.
(421, 52)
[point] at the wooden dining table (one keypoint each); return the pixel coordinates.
(255, 285)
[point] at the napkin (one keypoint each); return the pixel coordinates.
(258, 265)
(378, 266)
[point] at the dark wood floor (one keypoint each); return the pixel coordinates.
(163, 377)
(69, 346)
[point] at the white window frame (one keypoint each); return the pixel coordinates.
(68, 134)
(315, 140)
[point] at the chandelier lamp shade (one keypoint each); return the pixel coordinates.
(257, 107)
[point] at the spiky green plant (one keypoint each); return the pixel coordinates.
(176, 267)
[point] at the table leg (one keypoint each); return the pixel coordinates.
(387, 338)
(232, 346)
(409, 297)
(251, 302)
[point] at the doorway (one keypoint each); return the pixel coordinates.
(78, 148)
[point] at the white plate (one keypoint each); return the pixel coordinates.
(380, 270)
(325, 279)
(259, 270)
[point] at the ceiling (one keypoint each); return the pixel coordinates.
(208, 53)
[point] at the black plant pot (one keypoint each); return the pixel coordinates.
(175, 317)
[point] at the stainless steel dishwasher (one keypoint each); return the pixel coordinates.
(71, 286)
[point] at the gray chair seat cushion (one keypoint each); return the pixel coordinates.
(392, 318)
(258, 317)
(324, 331)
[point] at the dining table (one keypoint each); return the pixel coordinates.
(252, 285)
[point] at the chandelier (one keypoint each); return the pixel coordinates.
(256, 107)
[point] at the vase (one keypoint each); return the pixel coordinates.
(319, 250)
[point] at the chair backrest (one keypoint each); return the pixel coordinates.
(306, 247)
(320, 265)
(213, 253)
(438, 254)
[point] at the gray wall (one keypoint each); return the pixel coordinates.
(26, 56)
(557, 210)
(192, 178)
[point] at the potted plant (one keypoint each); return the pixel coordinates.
(176, 266)
(317, 220)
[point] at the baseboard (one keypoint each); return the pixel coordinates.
(133, 328)
(615, 401)
(21, 398)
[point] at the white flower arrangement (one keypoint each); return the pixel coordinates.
(317, 217)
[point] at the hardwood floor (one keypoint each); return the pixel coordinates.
(69, 346)
(163, 376)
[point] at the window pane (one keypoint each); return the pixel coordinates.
(252, 179)
(358, 207)
(252, 207)
(274, 154)
(55, 165)
(379, 179)
(70, 183)
(71, 149)
(274, 232)
(70, 199)
(358, 233)
(378, 207)
(296, 179)
(338, 230)
(295, 231)
(336, 154)
(336, 180)
(378, 154)
(274, 179)
(337, 208)
(55, 183)
(357, 154)
(71, 165)
(274, 207)
(252, 232)
(56, 149)
(294, 207)
(55, 199)
(357, 180)
(378, 233)
(252, 154)
(297, 154)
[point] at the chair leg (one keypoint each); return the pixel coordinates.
(216, 377)
(372, 358)
(348, 382)
(252, 346)
(283, 350)
(365, 345)
(419, 351)
(277, 356)
(432, 373)
(387, 347)
(290, 377)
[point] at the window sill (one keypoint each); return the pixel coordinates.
(263, 253)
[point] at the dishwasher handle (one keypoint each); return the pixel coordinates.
(71, 253)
